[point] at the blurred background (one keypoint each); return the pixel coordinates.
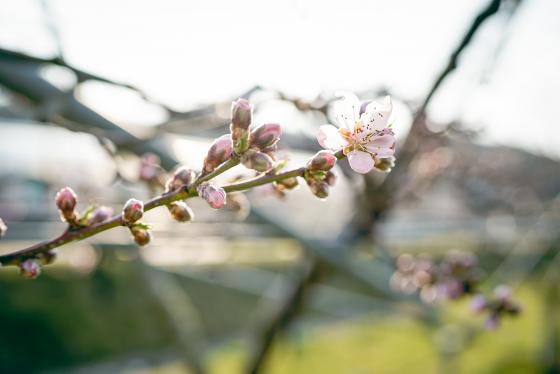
(281, 284)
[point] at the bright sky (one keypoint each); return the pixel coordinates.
(189, 52)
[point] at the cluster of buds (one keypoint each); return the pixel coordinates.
(66, 201)
(215, 196)
(501, 304)
(3, 228)
(318, 174)
(456, 275)
(132, 212)
(150, 170)
(256, 146)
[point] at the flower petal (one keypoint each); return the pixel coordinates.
(377, 114)
(383, 146)
(347, 110)
(360, 162)
(329, 137)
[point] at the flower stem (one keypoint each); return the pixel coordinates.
(232, 162)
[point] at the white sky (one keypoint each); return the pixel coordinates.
(189, 52)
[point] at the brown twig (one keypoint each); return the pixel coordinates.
(80, 233)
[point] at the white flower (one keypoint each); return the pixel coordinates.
(362, 137)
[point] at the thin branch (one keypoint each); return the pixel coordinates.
(72, 235)
(284, 315)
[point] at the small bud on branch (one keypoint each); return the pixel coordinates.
(141, 234)
(215, 196)
(256, 160)
(66, 201)
(265, 136)
(132, 211)
(220, 151)
(180, 211)
(30, 269)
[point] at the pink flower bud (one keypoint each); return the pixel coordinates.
(319, 189)
(3, 228)
(132, 211)
(141, 235)
(30, 269)
(100, 214)
(66, 201)
(182, 176)
(180, 211)
(256, 160)
(241, 114)
(323, 161)
(215, 196)
(219, 152)
(265, 136)
(241, 117)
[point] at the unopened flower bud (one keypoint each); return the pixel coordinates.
(100, 214)
(265, 136)
(214, 195)
(132, 211)
(30, 269)
(241, 117)
(256, 160)
(384, 164)
(241, 114)
(323, 161)
(141, 235)
(66, 202)
(182, 176)
(180, 211)
(330, 178)
(320, 189)
(3, 228)
(219, 152)
(288, 183)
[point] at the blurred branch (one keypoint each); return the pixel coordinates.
(485, 14)
(20, 73)
(182, 314)
(381, 197)
(283, 316)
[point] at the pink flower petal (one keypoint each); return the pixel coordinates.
(382, 146)
(376, 115)
(329, 137)
(347, 110)
(360, 162)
